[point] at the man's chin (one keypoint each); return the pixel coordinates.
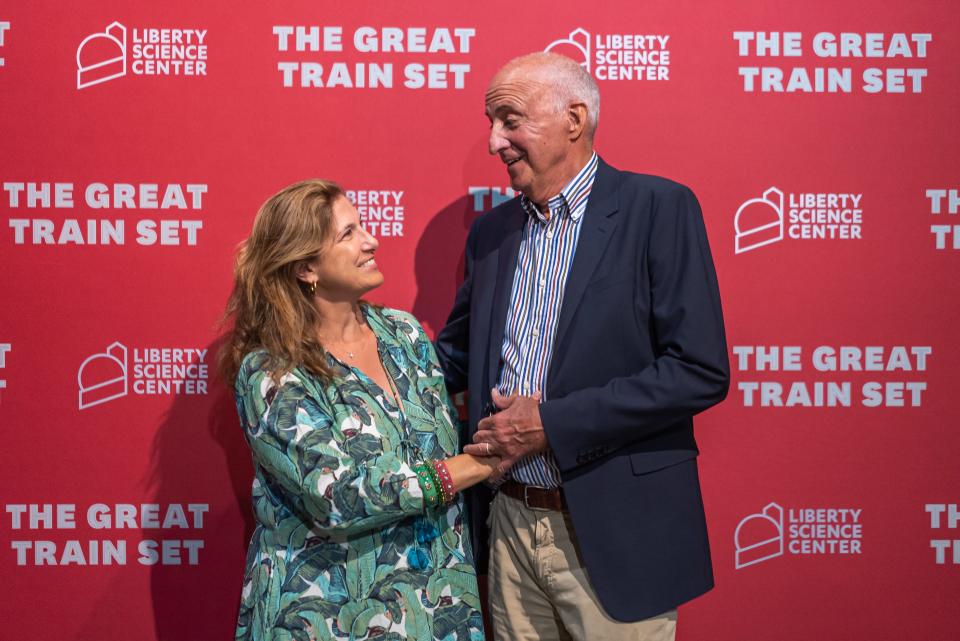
(517, 183)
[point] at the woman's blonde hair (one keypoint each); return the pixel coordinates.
(269, 308)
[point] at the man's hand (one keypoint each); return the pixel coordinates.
(512, 433)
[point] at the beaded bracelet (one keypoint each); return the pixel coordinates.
(431, 495)
(436, 481)
(446, 482)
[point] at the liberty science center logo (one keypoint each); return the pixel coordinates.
(617, 56)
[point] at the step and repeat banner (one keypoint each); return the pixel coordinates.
(139, 139)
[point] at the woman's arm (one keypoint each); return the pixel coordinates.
(324, 472)
(467, 470)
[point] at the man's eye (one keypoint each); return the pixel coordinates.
(511, 123)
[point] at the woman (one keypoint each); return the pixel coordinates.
(360, 531)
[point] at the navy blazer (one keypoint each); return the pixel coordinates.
(639, 349)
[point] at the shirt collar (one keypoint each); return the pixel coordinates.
(571, 198)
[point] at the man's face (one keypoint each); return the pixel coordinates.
(528, 132)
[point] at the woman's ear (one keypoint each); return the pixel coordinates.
(305, 270)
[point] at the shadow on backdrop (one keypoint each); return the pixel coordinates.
(438, 263)
(200, 456)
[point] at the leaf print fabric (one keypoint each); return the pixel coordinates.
(344, 548)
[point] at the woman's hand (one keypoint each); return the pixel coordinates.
(467, 470)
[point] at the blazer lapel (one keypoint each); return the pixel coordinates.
(599, 222)
(506, 266)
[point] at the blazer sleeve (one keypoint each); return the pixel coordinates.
(453, 341)
(690, 371)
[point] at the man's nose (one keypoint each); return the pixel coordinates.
(497, 142)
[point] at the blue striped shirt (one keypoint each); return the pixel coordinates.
(546, 253)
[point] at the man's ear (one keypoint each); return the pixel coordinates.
(577, 119)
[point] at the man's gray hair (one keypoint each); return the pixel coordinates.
(570, 81)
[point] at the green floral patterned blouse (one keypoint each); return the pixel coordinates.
(344, 547)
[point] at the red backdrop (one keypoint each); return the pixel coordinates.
(138, 142)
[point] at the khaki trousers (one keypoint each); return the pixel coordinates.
(539, 589)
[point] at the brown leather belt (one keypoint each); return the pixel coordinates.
(537, 498)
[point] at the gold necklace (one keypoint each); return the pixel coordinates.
(342, 344)
(351, 355)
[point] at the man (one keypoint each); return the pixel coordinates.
(590, 304)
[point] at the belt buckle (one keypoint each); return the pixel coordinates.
(526, 500)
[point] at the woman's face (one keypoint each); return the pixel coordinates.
(345, 267)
